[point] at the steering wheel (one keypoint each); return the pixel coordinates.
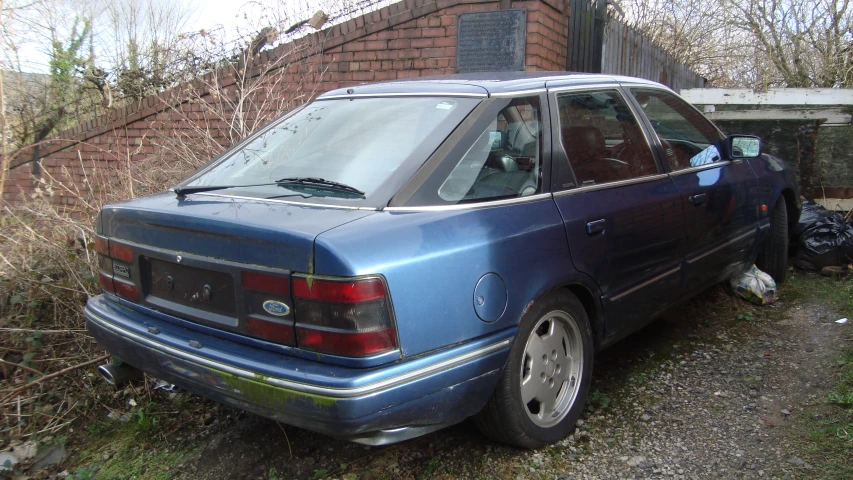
(671, 156)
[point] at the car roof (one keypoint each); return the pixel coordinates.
(481, 84)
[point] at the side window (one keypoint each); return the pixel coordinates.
(505, 159)
(602, 139)
(688, 138)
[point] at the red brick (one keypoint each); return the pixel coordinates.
(445, 42)
(376, 45)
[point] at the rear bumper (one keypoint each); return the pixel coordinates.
(370, 405)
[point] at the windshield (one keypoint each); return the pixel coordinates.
(359, 143)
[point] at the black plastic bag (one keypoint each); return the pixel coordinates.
(825, 239)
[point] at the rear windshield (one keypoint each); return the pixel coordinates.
(370, 144)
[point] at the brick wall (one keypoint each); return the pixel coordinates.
(408, 39)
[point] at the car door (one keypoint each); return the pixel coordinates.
(721, 219)
(623, 215)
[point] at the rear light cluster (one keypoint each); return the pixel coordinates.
(338, 316)
(259, 289)
(350, 317)
(341, 316)
(112, 258)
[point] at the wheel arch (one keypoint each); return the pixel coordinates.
(593, 309)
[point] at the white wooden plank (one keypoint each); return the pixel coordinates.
(832, 116)
(778, 96)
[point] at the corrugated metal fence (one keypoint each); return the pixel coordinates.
(627, 52)
(601, 44)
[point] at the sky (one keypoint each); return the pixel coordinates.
(238, 18)
(208, 14)
(216, 12)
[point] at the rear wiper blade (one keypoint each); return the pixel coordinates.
(184, 191)
(321, 183)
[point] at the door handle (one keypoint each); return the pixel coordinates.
(595, 227)
(698, 199)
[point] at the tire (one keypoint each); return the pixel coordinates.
(557, 320)
(773, 254)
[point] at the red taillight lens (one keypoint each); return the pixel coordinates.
(272, 331)
(102, 245)
(121, 252)
(349, 344)
(107, 252)
(126, 290)
(346, 291)
(264, 282)
(347, 316)
(106, 282)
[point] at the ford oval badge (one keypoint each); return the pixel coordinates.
(274, 307)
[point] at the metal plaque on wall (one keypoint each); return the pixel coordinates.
(491, 41)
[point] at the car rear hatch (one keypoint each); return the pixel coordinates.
(239, 266)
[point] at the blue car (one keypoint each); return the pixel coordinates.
(393, 258)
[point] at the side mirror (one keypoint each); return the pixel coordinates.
(743, 146)
(497, 139)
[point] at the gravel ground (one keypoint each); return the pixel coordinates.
(715, 389)
(697, 394)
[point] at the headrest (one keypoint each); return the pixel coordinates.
(583, 142)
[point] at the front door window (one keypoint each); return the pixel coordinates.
(602, 139)
(688, 139)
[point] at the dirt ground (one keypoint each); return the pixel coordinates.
(716, 389)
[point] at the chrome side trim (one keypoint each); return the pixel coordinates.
(406, 94)
(470, 206)
(604, 186)
(304, 387)
(720, 247)
(520, 93)
(708, 166)
(646, 283)
(289, 202)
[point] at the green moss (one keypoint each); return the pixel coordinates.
(260, 392)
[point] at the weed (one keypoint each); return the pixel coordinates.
(745, 317)
(842, 399)
(597, 400)
(430, 468)
(273, 474)
(322, 473)
(142, 420)
(828, 439)
(83, 473)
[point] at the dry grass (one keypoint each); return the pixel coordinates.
(47, 271)
(48, 388)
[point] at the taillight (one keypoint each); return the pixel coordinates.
(108, 252)
(269, 317)
(343, 316)
(265, 282)
(126, 290)
(121, 252)
(106, 282)
(278, 332)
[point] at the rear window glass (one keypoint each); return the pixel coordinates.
(361, 143)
